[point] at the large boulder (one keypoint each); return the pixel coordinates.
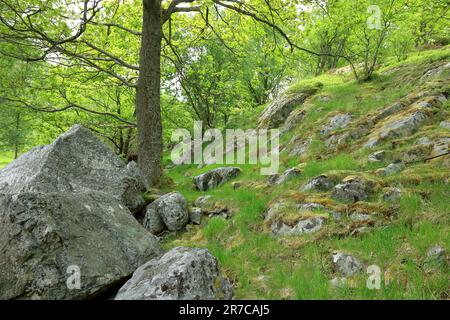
(169, 211)
(214, 178)
(43, 235)
(180, 274)
(76, 162)
(63, 207)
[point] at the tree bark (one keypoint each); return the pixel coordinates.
(148, 110)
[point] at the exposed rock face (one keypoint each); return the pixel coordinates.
(64, 206)
(308, 225)
(76, 162)
(294, 119)
(279, 110)
(214, 178)
(169, 211)
(353, 189)
(319, 183)
(391, 194)
(377, 156)
(298, 146)
(180, 274)
(398, 128)
(345, 264)
(286, 176)
(337, 122)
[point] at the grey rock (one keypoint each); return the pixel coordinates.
(377, 156)
(202, 201)
(286, 176)
(152, 220)
(391, 194)
(360, 217)
(195, 215)
(293, 119)
(319, 183)
(180, 274)
(171, 208)
(346, 265)
(311, 207)
(76, 162)
(398, 128)
(43, 234)
(215, 178)
(424, 141)
(445, 124)
(309, 225)
(440, 146)
(353, 189)
(298, 146)
(279, 110)
(337, 122)
(437, 255)
(391, 169)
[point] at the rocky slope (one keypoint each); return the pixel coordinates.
(364, 181)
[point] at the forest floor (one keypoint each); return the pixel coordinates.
(398, 233)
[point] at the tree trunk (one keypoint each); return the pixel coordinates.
(148, 111)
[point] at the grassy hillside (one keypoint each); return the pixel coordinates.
(397, 235)
(5, 158)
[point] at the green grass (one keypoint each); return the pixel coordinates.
(5, 158)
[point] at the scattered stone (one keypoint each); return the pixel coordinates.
(424, 141)
(308, 225)
(215, 178)
(360, 217)
(286, 176)
(440, 146)
(391, 194)
(445, 124)
(202, 201)
(391, 169)
(195, 215)
(276, 209)
(180, 274)
(353, 189)
(337, 122)
(311, 207)
(171, 208)
(377, 156)
(437, 255)
(336, 216)
(346, 265)
(319, 183)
